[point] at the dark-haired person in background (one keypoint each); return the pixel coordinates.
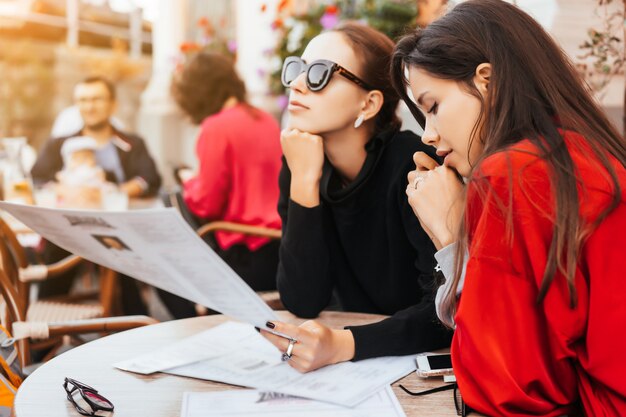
(347, 226)
(239, 156)
(538, 309)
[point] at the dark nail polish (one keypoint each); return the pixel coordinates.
(270, 325)
(257, 329)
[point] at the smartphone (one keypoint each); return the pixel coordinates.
(433, 364)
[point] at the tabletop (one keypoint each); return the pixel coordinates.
(160, 394)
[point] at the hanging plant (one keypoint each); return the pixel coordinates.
(603, 50)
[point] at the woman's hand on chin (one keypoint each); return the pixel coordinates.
(304, 154)
(317, 345)
(437, 197)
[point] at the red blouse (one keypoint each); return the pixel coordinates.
(240, 159)
(511, 355)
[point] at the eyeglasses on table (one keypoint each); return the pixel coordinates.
(89, 402)
(462, 409)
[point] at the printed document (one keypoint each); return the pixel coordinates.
(155, 246)
(253, 403)
(236, 354)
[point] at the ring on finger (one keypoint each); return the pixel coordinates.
(417, 180)
(289, 352)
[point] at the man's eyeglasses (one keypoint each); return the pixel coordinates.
(461, 408)
(99, 100)
(89, 402)
(318, 73)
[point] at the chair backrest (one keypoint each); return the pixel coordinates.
(15, 311)
(12, 258)
(239, 228)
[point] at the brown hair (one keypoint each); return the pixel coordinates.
(374, 49)
(98, 79)
(204, 85)
(533, 90)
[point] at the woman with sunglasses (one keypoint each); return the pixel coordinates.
(536, 277)
(347, 227)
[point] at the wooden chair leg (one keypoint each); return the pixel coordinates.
(108, 291)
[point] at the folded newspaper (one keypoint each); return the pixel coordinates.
(155, 246)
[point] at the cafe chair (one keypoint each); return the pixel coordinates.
(36, 317)
(272, 298)
(24, 331)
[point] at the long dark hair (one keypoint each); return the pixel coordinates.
(533, 91)
(204, 85)
(374, 49)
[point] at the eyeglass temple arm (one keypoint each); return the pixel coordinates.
(344, 72)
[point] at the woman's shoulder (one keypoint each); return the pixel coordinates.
(523, 169)
(527, 156)
(239, 116)
(521, 155)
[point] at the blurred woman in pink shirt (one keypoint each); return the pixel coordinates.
(239, 157)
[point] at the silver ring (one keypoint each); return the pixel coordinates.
(289, 352)
(417, 180)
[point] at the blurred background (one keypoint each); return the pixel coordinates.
(47, 46)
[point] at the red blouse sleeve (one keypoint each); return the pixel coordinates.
(206, 194)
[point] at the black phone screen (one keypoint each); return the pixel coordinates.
(439, 361)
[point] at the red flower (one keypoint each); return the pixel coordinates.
(189, 47)
(203, 22)
(263, 8)
(277, 24)
(282, 5)
(332, 9)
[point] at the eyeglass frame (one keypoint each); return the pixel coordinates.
(82, 388)
(331, 66)
(462, 409)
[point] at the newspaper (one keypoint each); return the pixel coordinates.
(236, 354)
(252, 403)
(158, 247)
(155, 246)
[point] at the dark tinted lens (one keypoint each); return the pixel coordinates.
(317, 76)
(291, 70)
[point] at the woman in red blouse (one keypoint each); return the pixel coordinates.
(239, 156)
(531, 203)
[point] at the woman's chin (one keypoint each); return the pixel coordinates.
(302, 125)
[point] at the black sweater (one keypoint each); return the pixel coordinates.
(364, 243)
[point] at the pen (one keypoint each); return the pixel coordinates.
(279, 334)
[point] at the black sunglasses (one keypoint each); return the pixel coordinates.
(90, 397)
(318, 73)
(462, 409)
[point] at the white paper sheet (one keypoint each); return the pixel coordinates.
(253, 403)
(189, 350)
(251, 361)
(155, 246)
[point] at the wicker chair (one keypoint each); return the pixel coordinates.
(272, 298)
(42, 322)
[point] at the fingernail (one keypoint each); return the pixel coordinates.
(257, 329)
(270, 325)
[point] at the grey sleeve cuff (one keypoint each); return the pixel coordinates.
(446, 263)
(445, 258)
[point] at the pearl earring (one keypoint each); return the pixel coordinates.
(359, 121)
